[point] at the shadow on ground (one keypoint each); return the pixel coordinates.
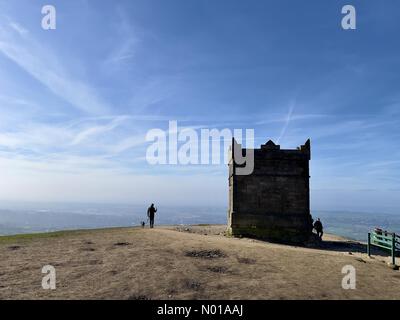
(348, 246)
(352, 247)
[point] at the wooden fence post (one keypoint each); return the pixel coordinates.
(369, 245)
(393, 249)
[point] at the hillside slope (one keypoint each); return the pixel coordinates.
(186, 263)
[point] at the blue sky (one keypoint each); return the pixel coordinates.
(77, 102)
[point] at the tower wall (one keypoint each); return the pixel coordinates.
(274, 201)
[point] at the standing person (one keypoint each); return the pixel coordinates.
(319, 228)
(150, 213)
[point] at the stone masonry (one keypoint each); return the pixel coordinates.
(274, 201)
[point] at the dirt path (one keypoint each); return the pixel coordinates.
(196, 263)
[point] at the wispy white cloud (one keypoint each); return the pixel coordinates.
(127, 143)
(123, 53)
(96, 130)
(126, 41)
(21, 30)
(287, 122)
(44, 66)
(9, 141)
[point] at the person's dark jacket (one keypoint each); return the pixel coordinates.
(151, 211)
(318, 225)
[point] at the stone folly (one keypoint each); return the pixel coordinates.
(273, 202)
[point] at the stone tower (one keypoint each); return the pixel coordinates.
(273, 202)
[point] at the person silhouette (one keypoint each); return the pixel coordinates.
(319, 228)
(151, 213)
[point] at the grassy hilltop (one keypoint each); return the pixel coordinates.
(194, 262)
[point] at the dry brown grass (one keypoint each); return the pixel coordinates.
(184, 263)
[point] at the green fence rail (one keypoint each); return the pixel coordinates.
(385, 240)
